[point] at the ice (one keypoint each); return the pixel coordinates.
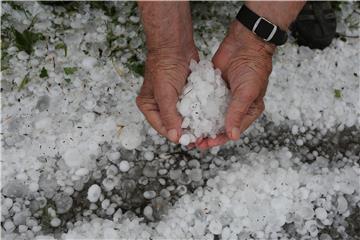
(149, 194)
(110, 182)
(73, 158)
(298, 157)
(94, 193)
(89, 62)
(321, 213)
(342, 204)
(150, 171)
(149, 156)
(203, 102)
(114, 156)
(195, 174)
(174, 174)
(110, 211)
(148, 212)
(9, 226)
(295, 129)
(165, 193)
(22, 228)
(15, 189)
(124, 166)
(55, 222)
(215, 227)
(34, 187)
(185, 139)
(311, 227)
(20, 217)
(112, 170)
(63, 202)
(82, 172)
(181, 190)
(131, 136)
(194, 163)
(143, 180)
(105, 204)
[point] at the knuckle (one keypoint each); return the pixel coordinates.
(235, 119)
(237, 113)
(245, 96)
(146, 104)
(250, 62)
(139, 102)
(248, 96)
(162, 96)
(262, 107)
(168, 119)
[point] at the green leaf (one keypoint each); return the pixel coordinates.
(138, 68)
(337, 93)
(26, 40)
(135, 65)
(44, 73)
(62, 46)
(68, 80)
(24, 82)
(70, 70)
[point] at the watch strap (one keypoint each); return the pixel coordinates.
(262, 27)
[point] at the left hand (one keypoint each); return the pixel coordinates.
(246, 63)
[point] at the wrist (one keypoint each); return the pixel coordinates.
(280, 13)
(167, 26)
(243, 38)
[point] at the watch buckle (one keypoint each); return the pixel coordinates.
(271, 35)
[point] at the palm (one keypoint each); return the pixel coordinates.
(246, 70)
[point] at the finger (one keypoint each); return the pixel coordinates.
(190, 146)
(219, 140)
(212, 142)
(203, 145)
(254, 113)
(244, 92)
(150, 110)
(199, 140)
(223, 54)
(148, 106)
(166, 98)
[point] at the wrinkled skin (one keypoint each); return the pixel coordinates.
(244, 60)
(165, 76)
(245, 67)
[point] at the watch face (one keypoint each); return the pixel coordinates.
(264, 29)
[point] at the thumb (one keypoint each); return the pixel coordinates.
(166, 97)
(243, 93)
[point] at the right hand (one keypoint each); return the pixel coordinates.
(245, 62)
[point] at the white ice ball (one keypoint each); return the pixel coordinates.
(94, 193)
(124, 166)
(203, 102)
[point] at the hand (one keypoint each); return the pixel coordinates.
(246, 63)
(166, 71)
(170, 47)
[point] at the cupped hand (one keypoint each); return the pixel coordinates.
(246, 63)
(166, 70)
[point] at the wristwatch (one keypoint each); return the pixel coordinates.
(262, 27)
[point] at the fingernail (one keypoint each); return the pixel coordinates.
(172, 135)
(235, 133)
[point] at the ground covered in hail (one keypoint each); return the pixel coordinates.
(80, 162)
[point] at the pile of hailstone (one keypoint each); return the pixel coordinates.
(203, 102)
